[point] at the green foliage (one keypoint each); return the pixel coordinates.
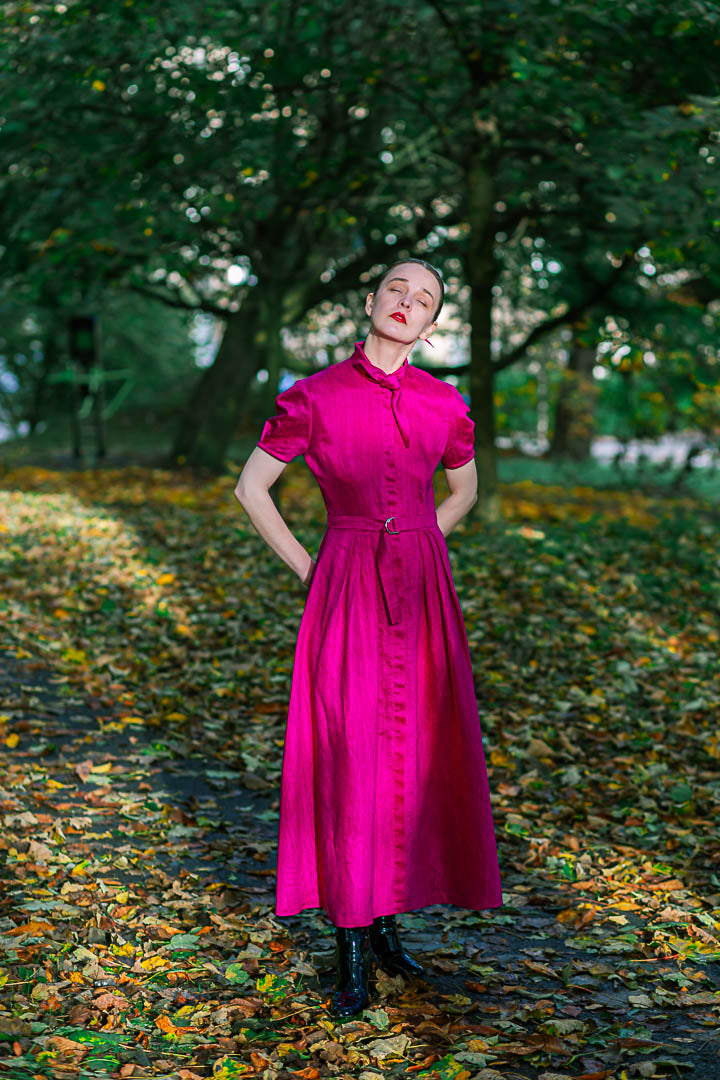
(155, 342)
(144, 346)
(533, 153)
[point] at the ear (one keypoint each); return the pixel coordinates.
(369, 303)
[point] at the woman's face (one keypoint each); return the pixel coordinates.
(409, 291)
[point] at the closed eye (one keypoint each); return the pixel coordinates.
(395, 289)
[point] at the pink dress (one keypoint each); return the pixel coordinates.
(384, 802)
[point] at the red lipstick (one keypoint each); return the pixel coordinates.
(399, 316)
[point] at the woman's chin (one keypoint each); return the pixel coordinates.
(395, 332)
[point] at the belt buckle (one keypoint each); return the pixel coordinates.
(392, 531)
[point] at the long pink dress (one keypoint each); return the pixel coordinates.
(384, 801)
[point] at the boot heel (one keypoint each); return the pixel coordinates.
(386, 945)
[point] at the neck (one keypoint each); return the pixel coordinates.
(384, 353)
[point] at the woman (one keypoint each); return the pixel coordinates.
(384, 803)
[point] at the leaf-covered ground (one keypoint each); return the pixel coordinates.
(148, 649)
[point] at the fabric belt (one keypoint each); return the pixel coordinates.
(386, 560)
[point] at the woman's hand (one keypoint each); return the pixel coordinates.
(309, 575)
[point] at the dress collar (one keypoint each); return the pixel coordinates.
(359, 357)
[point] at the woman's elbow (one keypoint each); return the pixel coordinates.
(243, 491)
(248, 491)
(470, 494)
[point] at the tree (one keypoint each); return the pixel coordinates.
(287, 142)
(256, 162)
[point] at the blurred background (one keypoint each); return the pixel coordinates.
(195, 202)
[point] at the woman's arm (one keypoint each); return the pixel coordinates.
(463, 494)
(252, 491)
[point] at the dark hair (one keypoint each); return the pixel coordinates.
(427, 265)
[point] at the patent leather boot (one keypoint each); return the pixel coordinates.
(388, 949)
(351, 994)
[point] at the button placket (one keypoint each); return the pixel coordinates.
(394, 658)
(394, 640)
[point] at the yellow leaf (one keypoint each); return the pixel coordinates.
(712, 746)
(105, 768)
(153, 963)
(122, 950)
(77, 656)
(226, 1068)
(165, 579)
(98, 85)
(12, 740)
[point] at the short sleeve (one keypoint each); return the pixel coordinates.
(460, 445)
(287, 434)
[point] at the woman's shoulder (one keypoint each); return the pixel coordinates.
(322, 379)
(436, 384)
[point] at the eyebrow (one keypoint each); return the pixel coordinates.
(405, 279)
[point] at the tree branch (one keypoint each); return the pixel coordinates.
(453, 33)
(601, 290)
(182, 305)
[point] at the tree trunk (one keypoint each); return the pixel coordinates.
(574, 426)
(50, 358)
(99, 397)
(482, 271)
(210, 418)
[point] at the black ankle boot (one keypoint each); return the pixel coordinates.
(353, 968)
(388, 949)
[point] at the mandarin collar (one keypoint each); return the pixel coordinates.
(373, 371)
